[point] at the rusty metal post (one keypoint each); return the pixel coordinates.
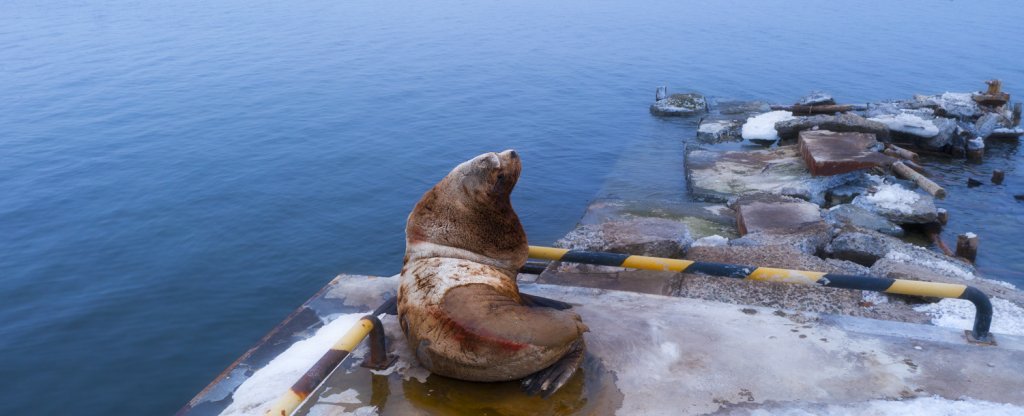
(967, 246)
(379, 359)
(998, 176)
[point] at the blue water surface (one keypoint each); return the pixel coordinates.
(177, 176)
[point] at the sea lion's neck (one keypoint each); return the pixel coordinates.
(424, 250)
(446, 226)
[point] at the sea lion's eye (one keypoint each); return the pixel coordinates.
(501, 176)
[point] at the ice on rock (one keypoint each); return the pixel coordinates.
(893, 197)
(762, 126)
(909, 124)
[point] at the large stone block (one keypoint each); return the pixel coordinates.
(720, 175)
(777, 215)
(829, 153)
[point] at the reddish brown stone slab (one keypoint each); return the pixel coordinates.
(830, 153)
(773, 214)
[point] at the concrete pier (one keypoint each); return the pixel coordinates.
(651, 354)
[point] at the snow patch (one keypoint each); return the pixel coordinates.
(762, 126)
(934, 264)
(711, 241)
(959, 314)
(268, 383)
(875, 298)
(921, 406)
(893, 197)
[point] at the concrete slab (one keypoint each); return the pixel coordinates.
(719, 175)
(652, 354)
(830, 153)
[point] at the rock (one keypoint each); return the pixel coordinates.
(988, 123)
(720, 175)
(680, 105)
(950, 104)
(971, 182)
(657, 237)
(899, 205)
(908, 124)
(809, 242)
(768, 220)
(856, 216)
(864, 248)
(949, 130)
(932, 266)
(742, 107)
(710, 241)
(1019, 197)
(843, 122)
(830, 153)
(817, 98)
(773, 214)
(717, 131)
(761, 128)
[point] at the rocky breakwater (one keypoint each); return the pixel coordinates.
(829, 195)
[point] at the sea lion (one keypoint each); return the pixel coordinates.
(458, 302)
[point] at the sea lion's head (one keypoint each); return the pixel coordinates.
(469, 215)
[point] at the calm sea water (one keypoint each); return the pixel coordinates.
(176, 177)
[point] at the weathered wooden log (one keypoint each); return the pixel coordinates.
(920, 169)
(998, 176)
(907, 173)
(967, 246)
(809, 110)
(902, 153)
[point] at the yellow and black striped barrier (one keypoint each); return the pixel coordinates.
(367, 325)
(983, 307)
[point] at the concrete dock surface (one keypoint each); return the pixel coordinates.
(647, 355)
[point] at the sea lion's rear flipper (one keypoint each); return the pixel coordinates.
(542, 302)
(549, 380)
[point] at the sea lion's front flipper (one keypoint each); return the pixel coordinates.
(549, 380)
(542, 302)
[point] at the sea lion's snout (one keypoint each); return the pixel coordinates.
(507, 173)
